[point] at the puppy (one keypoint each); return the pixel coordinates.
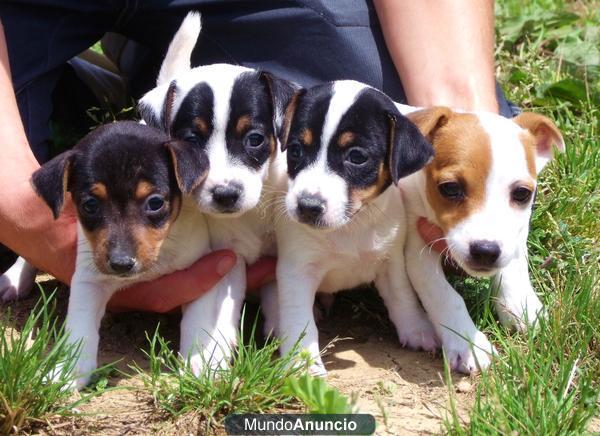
(128, 183)
(479, 190)
(231, 113)
(346, 143)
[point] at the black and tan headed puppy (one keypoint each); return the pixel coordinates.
(128, 182)
(347, 145)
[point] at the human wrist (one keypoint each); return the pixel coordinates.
(465, 93)
(28, 228)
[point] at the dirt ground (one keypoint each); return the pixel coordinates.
(403, 389)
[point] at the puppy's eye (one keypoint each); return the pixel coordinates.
(155, 203)
(90, 206)
(451, 190)
(254, 139)
(521, 195)
(294, 151)
(356, 157)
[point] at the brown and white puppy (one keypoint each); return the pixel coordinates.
(479, 189)
(128, 183)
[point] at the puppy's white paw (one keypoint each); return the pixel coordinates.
(418, 333)
(8, 291)
(466, 357)
(317, 369)
(213, 357)
(17, 281)
(81, 374)
(520, 315)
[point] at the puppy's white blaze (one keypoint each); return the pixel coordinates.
(498, 220)
(220, 77)
(344, 94)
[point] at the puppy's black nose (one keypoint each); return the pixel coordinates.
(484, 253)
(310, 208)
(121, 264)
(226, 196)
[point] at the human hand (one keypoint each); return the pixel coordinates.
(431, 234)
(171, 291)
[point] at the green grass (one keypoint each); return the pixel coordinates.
(317, 396)
(28, 360)
(257, 381)
(254, 382)
(546, 381)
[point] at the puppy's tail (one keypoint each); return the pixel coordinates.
(178, 57)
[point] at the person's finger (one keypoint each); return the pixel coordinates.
(173, 290)
(431, 234)
(260, 273)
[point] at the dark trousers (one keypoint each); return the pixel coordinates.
(306, 41)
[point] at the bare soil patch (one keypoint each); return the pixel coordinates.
(403, 389)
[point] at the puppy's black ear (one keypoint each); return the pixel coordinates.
(409, 151)
(50, 181)
(284, 98)
(190, 164)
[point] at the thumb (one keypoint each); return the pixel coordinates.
(431, 234)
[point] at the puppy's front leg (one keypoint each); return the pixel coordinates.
(87, 304)
(209, 324)
(517, 304)
(415, 330)
(467, 349)
(297, 286)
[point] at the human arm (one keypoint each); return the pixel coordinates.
(443, 50)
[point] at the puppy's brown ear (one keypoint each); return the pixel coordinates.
(430, 120)
(190, 164)
(284, 98)
(545, 135)
(50, 181)
(156, 107)
(409, 151)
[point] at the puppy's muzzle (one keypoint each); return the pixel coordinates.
(310, 209)
(121, 264)
(484, 254)
(227, 197)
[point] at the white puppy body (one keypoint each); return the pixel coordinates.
(365, 250)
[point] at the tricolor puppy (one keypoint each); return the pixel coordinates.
(231, 113)
(134, 224)
(479, 189)
(346, 144)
